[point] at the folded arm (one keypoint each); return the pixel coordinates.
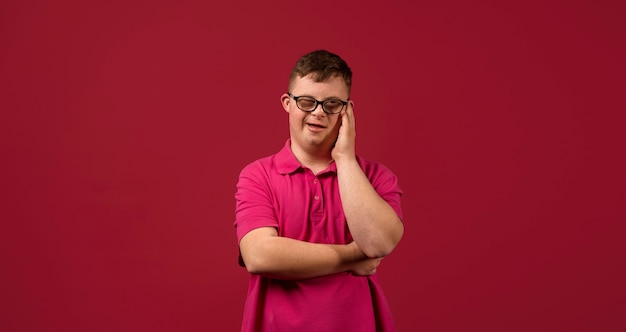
(373, 223)
(266, 253)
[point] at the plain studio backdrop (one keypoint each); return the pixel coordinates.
(124, 125)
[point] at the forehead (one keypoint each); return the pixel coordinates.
(335, 86)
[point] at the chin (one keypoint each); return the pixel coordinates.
(312, 142)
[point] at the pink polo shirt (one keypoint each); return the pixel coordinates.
(277, 191)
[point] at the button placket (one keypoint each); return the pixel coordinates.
(316, 189)
(318, 204)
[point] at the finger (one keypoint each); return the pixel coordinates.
(350, 109)
(346, 118)
(350, 113)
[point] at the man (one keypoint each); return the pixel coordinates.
(315, 220)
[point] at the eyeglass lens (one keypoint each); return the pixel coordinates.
(309, 104)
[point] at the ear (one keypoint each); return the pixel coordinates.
(285, 100)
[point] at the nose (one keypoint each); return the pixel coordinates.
(318, 111)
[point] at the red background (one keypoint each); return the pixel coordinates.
(124, 126)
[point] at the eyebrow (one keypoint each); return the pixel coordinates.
(329, 98)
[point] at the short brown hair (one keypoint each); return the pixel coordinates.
(322, 65)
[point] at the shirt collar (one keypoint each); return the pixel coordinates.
(287, 163)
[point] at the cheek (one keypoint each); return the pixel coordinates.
(295, 119)
(336, 124)
(335, 129)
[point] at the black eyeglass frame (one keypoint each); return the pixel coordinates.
(318, 102)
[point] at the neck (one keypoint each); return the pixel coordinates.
(315, 158)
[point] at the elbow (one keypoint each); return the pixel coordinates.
(378, 251)
(252, 269)
(256, 250)
(255, 264)
(383, 246)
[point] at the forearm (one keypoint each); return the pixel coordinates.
(285, 258)
(374, 225)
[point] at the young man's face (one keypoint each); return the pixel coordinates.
(314, 129)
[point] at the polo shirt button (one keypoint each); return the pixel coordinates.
(316, 198)
(315, 181)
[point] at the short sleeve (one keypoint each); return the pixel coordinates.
(386, 184)
(254, 205)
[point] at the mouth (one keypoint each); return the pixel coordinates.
(315, 127)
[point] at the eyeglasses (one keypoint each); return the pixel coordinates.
(329, 106)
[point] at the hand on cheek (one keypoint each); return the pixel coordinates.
(344, 147)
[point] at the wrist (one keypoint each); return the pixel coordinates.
(353, 253)
(345, 160)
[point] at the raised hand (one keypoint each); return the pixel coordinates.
(345, 146)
